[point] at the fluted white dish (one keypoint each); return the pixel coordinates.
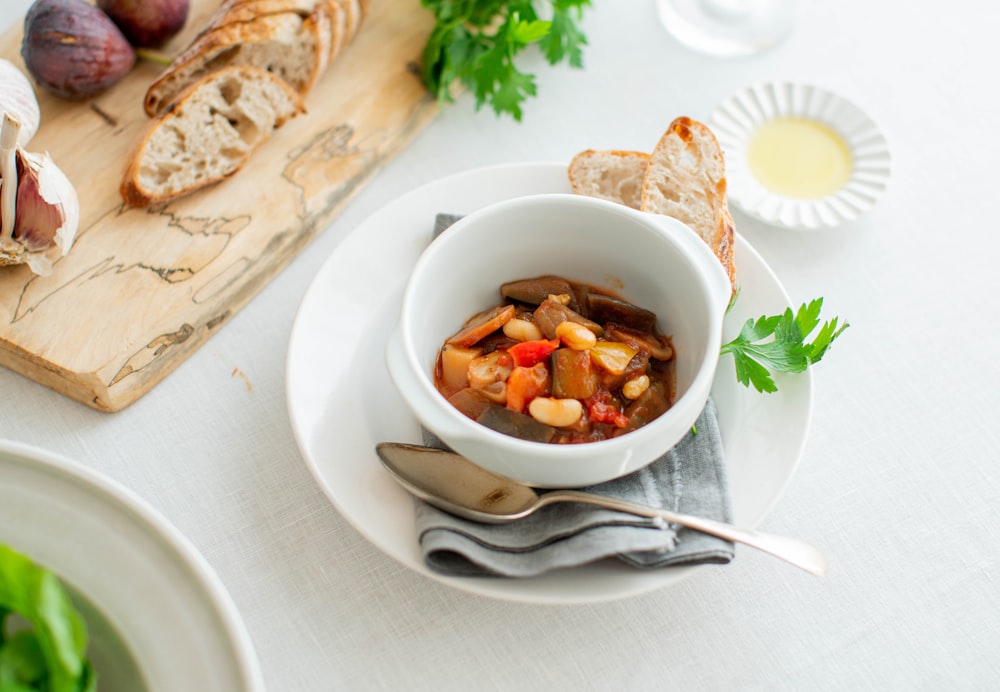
(737, 119)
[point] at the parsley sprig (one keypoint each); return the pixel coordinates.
(474, 44)
(788, 351)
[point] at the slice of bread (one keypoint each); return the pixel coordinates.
(612, 175)
(248, 10)
(293, 47)
(686, 179)
(338, 28)
(353, 12)
(208, 133)
(345, 15)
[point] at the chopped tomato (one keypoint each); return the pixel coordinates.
(527, 354)
(603, 410)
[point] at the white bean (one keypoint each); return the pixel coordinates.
(522, 330)
(575, 336)
(634, 388)
(559, 413)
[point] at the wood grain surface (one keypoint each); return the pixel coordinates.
(142, 289)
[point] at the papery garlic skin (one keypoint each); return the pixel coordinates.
(39, 207)
(17, 97)
(48, 209)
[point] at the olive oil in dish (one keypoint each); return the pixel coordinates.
(799, 157)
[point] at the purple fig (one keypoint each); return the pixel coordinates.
(73, 49)
(147, 23)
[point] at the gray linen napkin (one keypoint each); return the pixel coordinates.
(690, 479)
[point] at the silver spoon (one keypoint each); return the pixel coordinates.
(455, 485)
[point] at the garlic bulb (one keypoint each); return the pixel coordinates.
(18, 98)
(39, 208)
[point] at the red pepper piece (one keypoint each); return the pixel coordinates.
(524, 384)
(527, 354)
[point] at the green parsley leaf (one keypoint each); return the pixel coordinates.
(778, 343)
(565, 40)
(475, 43)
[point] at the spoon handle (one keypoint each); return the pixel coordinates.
(791, 550)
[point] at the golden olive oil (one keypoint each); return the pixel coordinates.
(799, 157)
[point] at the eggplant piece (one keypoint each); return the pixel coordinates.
(604, 308)
(573, 374)
(550, 314)
(515, 424)
(535, 291)
(650, 405)
(470, 402)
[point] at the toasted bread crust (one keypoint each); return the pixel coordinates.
(233, 11)
(686, 179)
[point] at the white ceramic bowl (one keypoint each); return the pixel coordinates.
(653, 261)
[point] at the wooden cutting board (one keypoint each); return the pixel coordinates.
(143, 288)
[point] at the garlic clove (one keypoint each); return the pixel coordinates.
(48, 209)
(39, 207)
(18, 98)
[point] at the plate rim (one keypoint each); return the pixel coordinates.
(354, 242)
(106, 489)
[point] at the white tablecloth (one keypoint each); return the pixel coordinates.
(899, 482)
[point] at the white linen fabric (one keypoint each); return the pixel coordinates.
(898, 482)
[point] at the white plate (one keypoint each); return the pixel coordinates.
(150, 600)
(342, 402)
(739, 116)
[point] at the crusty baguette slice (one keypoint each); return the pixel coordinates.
(354, 13)
(295, 48)
(686, 179)
(346, 15)
(248, 10)
(208, 133)
(338, 28)
(613, 175)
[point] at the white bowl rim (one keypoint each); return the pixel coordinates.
(567, 454)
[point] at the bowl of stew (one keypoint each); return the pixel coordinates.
(560, 340)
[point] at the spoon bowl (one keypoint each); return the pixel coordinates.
(456, 485)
